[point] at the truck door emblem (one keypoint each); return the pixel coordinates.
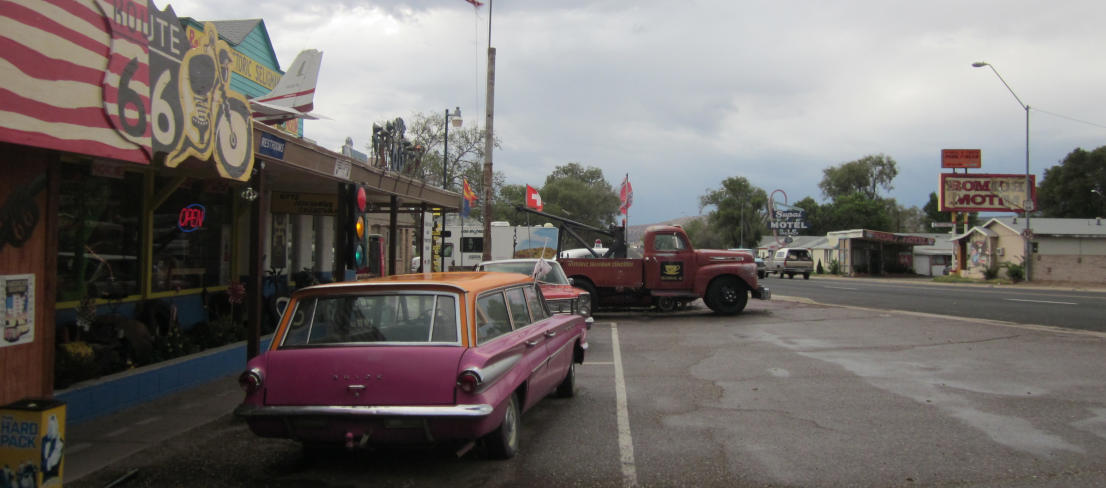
(672, 271)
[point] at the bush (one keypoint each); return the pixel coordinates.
(834, 267)
(1016, 272)
(990, 273)
(75, 361)
(820, 270)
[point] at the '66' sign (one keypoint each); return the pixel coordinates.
(172, 96)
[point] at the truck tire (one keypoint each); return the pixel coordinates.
(666, 304)
(726, 296)
(806, 276)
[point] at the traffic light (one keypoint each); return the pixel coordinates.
(355, 233)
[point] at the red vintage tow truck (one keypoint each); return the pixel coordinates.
(669, 275)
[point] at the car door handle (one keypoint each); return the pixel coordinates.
(531, 343)
(355, 387)
(550, 333)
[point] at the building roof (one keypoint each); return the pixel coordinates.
(1054, 227)
(942, 244)
(235, 31)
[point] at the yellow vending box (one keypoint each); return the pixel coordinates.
(32, 436)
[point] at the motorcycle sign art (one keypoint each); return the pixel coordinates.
(169, 94)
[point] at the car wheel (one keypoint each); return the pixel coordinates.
(726, 296)
(567, 388)
(806, 276)
(791, 276)
(502, 443)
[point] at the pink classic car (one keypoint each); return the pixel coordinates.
(412, 360)
(559, 293)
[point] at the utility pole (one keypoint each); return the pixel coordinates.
(488, 142)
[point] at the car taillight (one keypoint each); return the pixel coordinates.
(250, 381)
(468, 381)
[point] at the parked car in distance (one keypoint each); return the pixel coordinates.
(762, 269)
(559, 293)
(412, 360)
(791, 261)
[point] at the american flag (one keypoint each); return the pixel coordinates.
(55, 99)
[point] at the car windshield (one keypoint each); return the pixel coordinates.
(553, 275)
(403, 317)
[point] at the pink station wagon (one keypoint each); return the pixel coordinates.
(412, 360)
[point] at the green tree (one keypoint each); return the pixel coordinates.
(932, 214)
(1075, 188)
(581, 194)
(466, 149)
(865, 176)
(705, 236)
(504, 206)
(815, 218)
(857, 211)
(739, 212)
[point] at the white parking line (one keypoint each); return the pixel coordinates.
(625, 439)
(1041, 301)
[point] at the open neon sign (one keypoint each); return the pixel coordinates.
(191, 218)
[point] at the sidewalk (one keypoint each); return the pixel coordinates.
(106, 439)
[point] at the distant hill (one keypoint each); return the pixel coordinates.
(635, 233)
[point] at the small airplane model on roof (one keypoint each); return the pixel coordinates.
(294, 95)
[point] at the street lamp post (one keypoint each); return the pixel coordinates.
(445, 172)
(1027, 206)
(445, 149)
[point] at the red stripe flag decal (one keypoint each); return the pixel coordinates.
(626, 195)
(533, 199)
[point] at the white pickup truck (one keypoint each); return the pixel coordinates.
(791, 261)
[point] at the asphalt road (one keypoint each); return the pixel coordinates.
(1058, 307)
(785, 394)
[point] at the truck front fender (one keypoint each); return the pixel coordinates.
(747, 273)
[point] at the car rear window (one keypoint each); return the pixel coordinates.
(800, 254)
(404, 318)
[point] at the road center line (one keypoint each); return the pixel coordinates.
(625, 439)
(841, 288)
(1041, 301)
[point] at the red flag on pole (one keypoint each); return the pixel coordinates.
(475, 3)
(626, 195)
(533, 199)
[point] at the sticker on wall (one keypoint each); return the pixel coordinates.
(17, 293)
(19, 213)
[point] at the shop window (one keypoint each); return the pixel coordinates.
(192, 236)
(99, 222)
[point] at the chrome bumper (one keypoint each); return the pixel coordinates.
(480, 410)
(762, 293)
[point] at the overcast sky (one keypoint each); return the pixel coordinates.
(683, 94)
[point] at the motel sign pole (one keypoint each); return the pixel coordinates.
(1027, 205)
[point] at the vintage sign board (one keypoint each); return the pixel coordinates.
(961, 158)
(119, 79)
(986, 193)
(789, 222)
